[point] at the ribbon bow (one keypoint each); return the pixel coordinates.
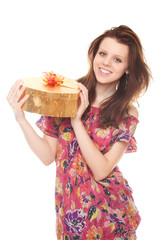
(52, 79)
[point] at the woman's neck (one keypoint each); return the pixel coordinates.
(103, 91)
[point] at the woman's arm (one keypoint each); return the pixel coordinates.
(100, 165)
(44, 148)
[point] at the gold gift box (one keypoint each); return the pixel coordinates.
(58, 101)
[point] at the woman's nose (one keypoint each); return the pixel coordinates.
(107, 61)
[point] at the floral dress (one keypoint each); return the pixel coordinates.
(86, 208)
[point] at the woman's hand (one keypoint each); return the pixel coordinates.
(15, 100)
(83, 104)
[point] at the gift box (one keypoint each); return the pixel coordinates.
(52, 95)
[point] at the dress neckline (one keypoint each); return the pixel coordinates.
(95, 109)
(94, 106)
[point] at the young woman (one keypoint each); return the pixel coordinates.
(93, 199)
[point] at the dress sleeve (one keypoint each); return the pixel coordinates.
(49, 125)
(125, 132)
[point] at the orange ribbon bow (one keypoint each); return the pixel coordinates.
(52, 79)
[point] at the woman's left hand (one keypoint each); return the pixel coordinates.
(83, 104)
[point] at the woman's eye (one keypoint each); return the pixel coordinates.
(117, 60)
(102, 53)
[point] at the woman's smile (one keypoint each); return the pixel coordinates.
(104, 71)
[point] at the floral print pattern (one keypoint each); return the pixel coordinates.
(94, 233)
(75, 221)
(85, 208)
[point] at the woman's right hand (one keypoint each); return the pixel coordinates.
(15, 100)
(45, 148)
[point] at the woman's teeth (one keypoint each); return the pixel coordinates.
(104, 71)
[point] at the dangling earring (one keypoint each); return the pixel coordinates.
(127, 77)
(117, 85)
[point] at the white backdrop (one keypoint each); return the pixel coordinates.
(39, 36)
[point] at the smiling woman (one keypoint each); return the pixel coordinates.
(93, 199)
(116, 59)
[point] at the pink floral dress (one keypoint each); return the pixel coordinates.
(89, 209)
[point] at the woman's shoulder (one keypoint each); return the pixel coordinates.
(133, 112)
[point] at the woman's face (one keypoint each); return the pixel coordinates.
(111, 61)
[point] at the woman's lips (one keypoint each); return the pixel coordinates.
(105, 71)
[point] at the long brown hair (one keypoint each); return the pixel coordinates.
(130, 86)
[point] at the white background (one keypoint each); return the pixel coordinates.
(39, 36)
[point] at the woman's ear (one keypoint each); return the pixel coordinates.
(127, 72)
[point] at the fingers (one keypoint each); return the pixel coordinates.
(14, 89)
(15, 94)
(84, 95)
(22, 101)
